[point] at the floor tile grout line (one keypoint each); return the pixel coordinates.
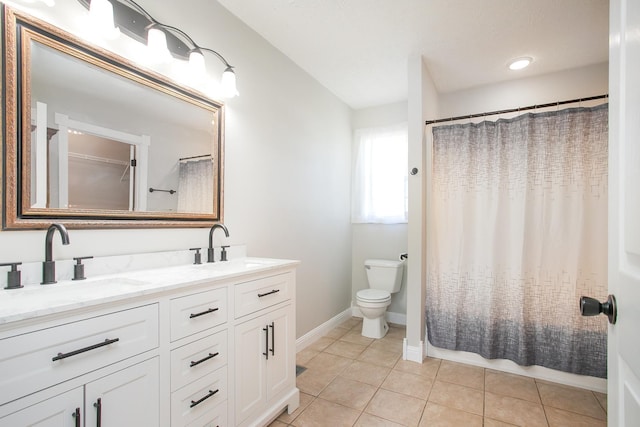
(582, 414)
(544, 408)
(484, 395)
(599, 402)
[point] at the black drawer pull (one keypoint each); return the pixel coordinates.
(266, 342)
(269, 293)
(98, 406)
(61, 356)
(197, 402)
(76, 416)
(210, 356)
(211, 310)
(273, 338)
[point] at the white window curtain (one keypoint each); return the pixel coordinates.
(379, 191)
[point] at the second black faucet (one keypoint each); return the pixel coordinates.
(49, 265)
(210, 257)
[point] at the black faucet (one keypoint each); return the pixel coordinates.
(49, 265)
(210, 257)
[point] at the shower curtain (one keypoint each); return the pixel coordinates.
(517, 233)
(195, 186)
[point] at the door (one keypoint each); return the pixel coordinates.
(280, 366)
(624, 212)
(252, 344)
(63, 410)
(130, 397)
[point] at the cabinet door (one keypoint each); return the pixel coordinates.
(62, 410)
(250, 344)
(130, 397)
(281, 364)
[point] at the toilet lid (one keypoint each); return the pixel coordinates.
(373, 295)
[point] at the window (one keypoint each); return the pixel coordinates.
(380, 175)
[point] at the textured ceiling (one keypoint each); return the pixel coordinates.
(359, 49)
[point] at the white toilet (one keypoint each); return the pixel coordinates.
(385, 278)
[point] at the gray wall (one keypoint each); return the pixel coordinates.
(287, 171)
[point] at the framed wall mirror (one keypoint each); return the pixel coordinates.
(94, 141)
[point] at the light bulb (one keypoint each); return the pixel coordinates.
(157, 44)
(228, 83)
(196, 64)
(101, 16)
(520, 63)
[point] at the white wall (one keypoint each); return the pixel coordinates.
(380, 241)
(287, 167)
(423, 101)
(564, 85)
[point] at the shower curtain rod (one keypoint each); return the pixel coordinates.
(194, 157)
(515, 110)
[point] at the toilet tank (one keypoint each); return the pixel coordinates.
(384, 274)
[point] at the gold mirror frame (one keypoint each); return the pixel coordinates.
(19, 28)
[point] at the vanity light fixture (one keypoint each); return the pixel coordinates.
(520, 63)
(164, 41)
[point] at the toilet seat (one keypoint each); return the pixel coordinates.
(373, 296)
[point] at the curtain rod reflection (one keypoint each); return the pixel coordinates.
(151, 190)
(195, 157)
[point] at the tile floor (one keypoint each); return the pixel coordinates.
(351, 380)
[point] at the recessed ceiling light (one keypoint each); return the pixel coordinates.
(520, 63)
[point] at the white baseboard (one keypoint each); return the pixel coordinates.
(412, 353)
(320, 331)
(538, 372)
(396, 318)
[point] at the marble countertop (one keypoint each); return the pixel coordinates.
(40, 300)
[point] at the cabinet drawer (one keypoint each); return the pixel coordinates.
(194, 360)
(198, 312)
(217, 417)
(42, 358)
(194, 400)
(262, 293)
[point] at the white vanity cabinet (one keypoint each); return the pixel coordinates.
(194, 348)
(265, 347)
(75, 373)
(104, 402)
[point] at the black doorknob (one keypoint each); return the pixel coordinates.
(593, 307)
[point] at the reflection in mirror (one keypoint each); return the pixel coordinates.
(99, 136)
(99, 173)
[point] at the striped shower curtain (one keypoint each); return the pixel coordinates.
(517, 233)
